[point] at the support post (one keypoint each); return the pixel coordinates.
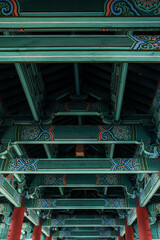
(120, 238)
(143, 223)
(50, 237)
(129, 231)
(16, 222)
(37, 231)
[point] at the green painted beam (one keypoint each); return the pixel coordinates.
(68, 134)
(83, 221)
(86, 232)
(76, 180)
(80, 203)
(80, 165)
(74, 48)
(76, 23)
(150, 189)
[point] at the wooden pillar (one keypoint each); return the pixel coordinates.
(144, 229)
(15, 228)
(37, 231)
(120, 238)
(129, 234)
(49, 238)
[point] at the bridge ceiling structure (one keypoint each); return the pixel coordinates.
(80, 118)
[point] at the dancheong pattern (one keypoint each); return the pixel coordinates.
(125, 164)
(107, 179)
(8, 8)
(36, 133)
(132, 7)
(114, 203)
(144, 42)
(19, 164)
(114, 133)
(46, 203)
(54, 179)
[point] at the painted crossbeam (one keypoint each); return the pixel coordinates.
(74, 23)
(82, 165)
(83, 221)
(23, 49)
(115, 203)
(64, 134)
(80, 108)
(76, 180)
(86, 232)
(78, 42)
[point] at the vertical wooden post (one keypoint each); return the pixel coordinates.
(120, 238)
(129, 234)
(144, 229)
(15, 228)
(50, 237)
(37, 231)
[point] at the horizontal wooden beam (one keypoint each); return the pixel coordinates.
(115, 203)
(79, 48)
(86, 232)
(80, 165)
(76, 180)
(76, 23)
(72, 134)
(83, 221)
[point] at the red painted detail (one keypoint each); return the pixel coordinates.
(79, 150)
(50, 131)
(109, 7)
(100, 132)
(88, 107)
(50, 237)
(120, 238)
(15, 228)
(15, 10)
(37, 231)
(143, 223)
(66, 107)
(129, 234)
(64, 179)
(98, 178)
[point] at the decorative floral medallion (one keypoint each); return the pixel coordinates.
(107, 179)
(127, 8)
(115, 133)
(54, 179)
(35, 133)
(147, 5)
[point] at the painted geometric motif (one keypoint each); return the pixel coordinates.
(125, 164)
(115, 133)
(8, 8)
(127, 8)
(115, 203)
(35, 133)
(54, 179)
(46, 203)
(107, 179)
(144, 42)
(19, 164)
